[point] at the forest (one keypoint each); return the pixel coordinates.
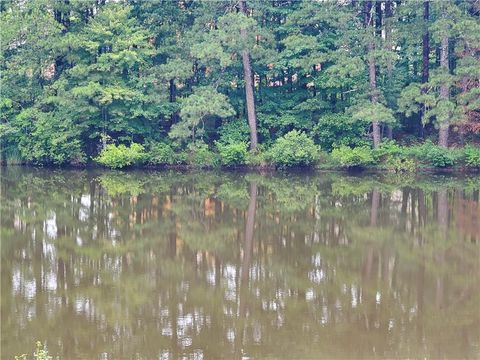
(281, 83)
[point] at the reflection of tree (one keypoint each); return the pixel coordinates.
(245, 268)
(162, 271)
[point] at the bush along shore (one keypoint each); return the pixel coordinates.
(294, 150)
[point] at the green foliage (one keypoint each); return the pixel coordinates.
(43, 139)
(368, 112)
(472, 156)
(161, 154)
(232, 154)
(339, 129)
(75, 72)
(434, 155)
(41, 353)
(401, 164)
(357, 157)
(117, 157)
(394, 157)
(199, 155)
(235, 131)
(293, 149)
(205, 101)
(388, 149)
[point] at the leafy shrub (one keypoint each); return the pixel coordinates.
(293, 149)
(339, 129)
(201, 156)
(120, 156)
(387, 150)
(40, 354)
(394, 157)
(259, 157)
(400, 164)
(472, 156)
(161, 154)
(233, 153)
(353, 157)
(433, 155)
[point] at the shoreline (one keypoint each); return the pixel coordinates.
(460, 170)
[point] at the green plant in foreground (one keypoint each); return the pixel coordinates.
(472, 156)
(200, 155)
(232, 154)
(161, 154)
(40, 353)
(117, 157)
(400, 164)
(293, 149)
(433, 155)
(357, 157)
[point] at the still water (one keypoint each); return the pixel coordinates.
(199, 265)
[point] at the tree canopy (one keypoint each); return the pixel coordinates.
(79, 75)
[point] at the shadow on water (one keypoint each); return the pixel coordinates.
(239, 265)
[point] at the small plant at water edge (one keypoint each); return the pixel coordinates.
(232, 154)
(200, 155)
(293, 149)
(358, 157)
(120, 156)
(472, 156)
(161, 154)
(40, 353)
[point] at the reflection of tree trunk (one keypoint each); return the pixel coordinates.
(442, 208)
(250, 223)
(245, 268)
(422, 211)
(374, 209)
(442, 216)
(403, 211)
(172, 246)
(420, 298)
(37, 268)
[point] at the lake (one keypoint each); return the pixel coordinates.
(204, 265)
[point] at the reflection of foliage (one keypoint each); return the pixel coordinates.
(146, 261)
(121, 183)
(346, 186)
(233, 194)
(291, 193)
(198, 237)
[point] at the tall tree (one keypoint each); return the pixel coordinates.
(425, 51)
(444, 88)
(248, 79)
(372, 72)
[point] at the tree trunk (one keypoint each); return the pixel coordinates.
(248, 78)
(372, 73)
(426, 43)
(444, 92)
(389, 45)
(425, 54)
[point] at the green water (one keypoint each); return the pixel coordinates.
(169, 265)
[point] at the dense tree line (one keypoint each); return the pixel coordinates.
(192, 76)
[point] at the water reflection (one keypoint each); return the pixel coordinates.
(203, 265)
